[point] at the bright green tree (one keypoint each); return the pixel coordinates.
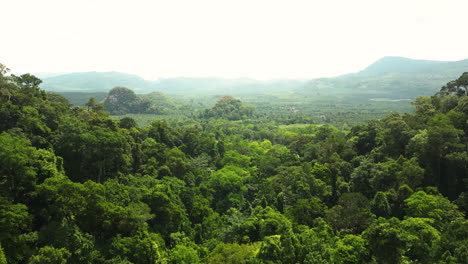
(50, 255)
(184, 255)
(437, 207)
(2, 256)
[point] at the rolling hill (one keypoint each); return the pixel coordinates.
(389, 77)
(93, 82)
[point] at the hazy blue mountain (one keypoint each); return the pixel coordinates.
(399, 65)
(389, 77)
(94, 82)
(43, 75)
(81, 98)
(217, 86)
(104, 81)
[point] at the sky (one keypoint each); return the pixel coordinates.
(257, 39)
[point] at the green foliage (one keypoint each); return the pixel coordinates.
(232, 157)
(50, 255)
(380, 205)
(351, 213)
(96, 154)
(271, 249)
(350, 249)
(394, 135)
(419, 236)
(437, 207)
(142, 248)
(304, 211)
(263, 222)
(229, 108)
(317, 243)
(459, 87)
(184, 255)
(18, 175)
(453, 242)
(232, 254)
(122, 100)
(15, 223)
(228, 184)
(392, 241)
(385, 242)
(2, 256)
(165, 203)
(411, 173)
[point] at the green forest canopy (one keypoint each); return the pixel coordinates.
(79, 187)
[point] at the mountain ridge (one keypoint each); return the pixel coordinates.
(397, 64)
(390, 76)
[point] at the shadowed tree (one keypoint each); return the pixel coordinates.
(458, 87)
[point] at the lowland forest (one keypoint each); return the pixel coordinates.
(108, 168)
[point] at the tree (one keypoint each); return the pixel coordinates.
(23, 166)
(15, 223)
(94, 105)
(127, 123)
(425, 110)
(443, 139)
(350, 249)
(271, 249)
(122, 100)
(178, 164)
(384, 240)
(419, 237)
(27, 81)
(229, 108)
(232, 157)
(361, 176)
(453, 242)
(62, 199)
(317, 244)
(81, 245)
(262, 223)
(351, 213)
(458, 87)
(384, 174)
(304, 211)
(165, 202)
(393, 241)
(380, 205)
(91, 103)
(142, 248)
(50, 255)
(96, 154)
(2, 256)
(411, 173)
(227, 186)
(393, 135)
(437, 207)
(160, 131)
(365, 137)
(232, 254)
(296, 182)
(184, 255)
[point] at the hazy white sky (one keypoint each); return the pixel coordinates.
(217, 38)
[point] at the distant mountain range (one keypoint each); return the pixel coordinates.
(389, 77)
(405, 65)
(93, 82)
